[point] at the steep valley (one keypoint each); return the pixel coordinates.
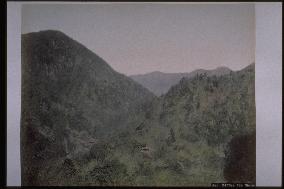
(83, 123)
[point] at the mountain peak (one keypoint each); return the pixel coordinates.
(222, 68)
(46, 32)
(250, 67)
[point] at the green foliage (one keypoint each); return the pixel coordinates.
(240, 159)
(110, 173)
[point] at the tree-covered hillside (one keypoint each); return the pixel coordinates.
(188, 132)
(71, 98)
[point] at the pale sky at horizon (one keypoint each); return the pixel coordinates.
(142, 38)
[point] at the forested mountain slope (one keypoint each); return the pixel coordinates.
(71, 98)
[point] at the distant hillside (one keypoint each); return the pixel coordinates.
(159, 83)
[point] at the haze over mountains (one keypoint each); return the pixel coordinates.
(83, 123)
(159, 83)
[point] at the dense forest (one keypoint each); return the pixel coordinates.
(83, 123)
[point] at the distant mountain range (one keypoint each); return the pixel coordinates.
(83, 123)
(159, 83)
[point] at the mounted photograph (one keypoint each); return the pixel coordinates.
(138, 94)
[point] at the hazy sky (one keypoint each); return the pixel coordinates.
(141, 38)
